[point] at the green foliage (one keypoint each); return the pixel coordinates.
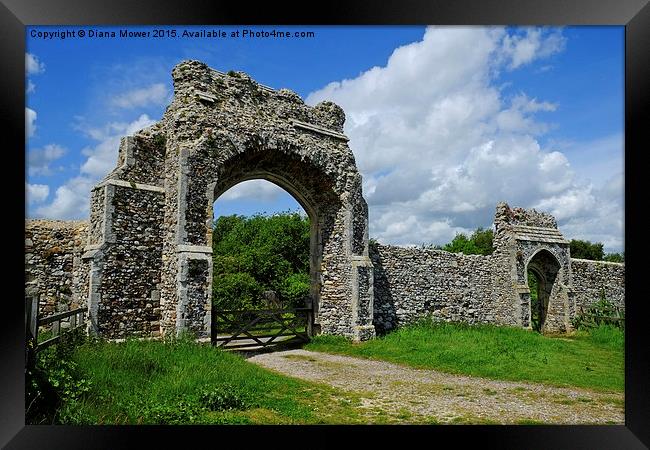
(461, 244)
(593, 359)
(160, 140)
(54, 381)
(479, 243)
(615, 257)
(260, 253)
(294, 289)
(235, 291)
(177, 381)
(586, 250)
(225, 397)
(602, 312)
(483, 240)
(179, 413)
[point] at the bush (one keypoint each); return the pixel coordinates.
(603, 312)
(294, 289)
(586, 250)
(236, 291)
(54, 381)
(479, 243)
(260, 253)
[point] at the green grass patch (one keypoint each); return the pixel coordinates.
(593, 359)
(181, 382)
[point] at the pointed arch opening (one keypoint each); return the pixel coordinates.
(542, 274)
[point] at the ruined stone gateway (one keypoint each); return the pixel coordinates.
(146, 269)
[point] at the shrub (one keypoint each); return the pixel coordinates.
(236, 291)
(602, 312)
(54, 381)
(294, 289)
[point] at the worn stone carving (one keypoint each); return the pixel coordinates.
(146, 268)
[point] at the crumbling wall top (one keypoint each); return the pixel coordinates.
(520, 216)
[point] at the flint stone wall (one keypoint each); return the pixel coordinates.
(53, 265)
(593, 279)
(411, 283)
(124, 295)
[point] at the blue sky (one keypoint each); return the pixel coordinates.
(458, 118)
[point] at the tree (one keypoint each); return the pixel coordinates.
(479, 243)
(483, 240)
(586, 250)
(615, 257)
(260, 253)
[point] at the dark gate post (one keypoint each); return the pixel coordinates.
(31, 329)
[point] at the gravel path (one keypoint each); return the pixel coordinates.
(399, 394)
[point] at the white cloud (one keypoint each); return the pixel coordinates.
(36, 193)
(155, 94)
(30, 122)
(103, 157)
(71, 201)
(598, 159)
(33, 65)
(39, 159)
(31, 87)
(261, 190)
(534, 43)
(438, 146)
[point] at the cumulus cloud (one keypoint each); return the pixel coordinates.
(261, 190)
(521, 49)
(155, 94)
(39, 159)
(72, 199)
(103, 156)
(33, 65)
(438, 144)
(30, 122)
(36, 193)
(31, 87)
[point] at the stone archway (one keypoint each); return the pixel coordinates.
(150, 254)
(545, 267)
(528, 238)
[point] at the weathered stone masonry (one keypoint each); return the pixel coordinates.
(53, 264)
(411, 283)
(146, 268)
(592, 280)
(149, 250)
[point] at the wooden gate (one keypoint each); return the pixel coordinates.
(258, 329)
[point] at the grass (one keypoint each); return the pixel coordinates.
(149, 382)
(593, 359)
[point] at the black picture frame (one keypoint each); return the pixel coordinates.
(633, 14)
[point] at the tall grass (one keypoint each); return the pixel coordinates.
(180, 382)
(592, 359)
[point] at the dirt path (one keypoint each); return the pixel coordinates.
(399, 394)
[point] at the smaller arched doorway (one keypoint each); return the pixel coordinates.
(542, 276)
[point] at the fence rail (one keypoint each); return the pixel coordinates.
(75, 319)
(591, 319)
